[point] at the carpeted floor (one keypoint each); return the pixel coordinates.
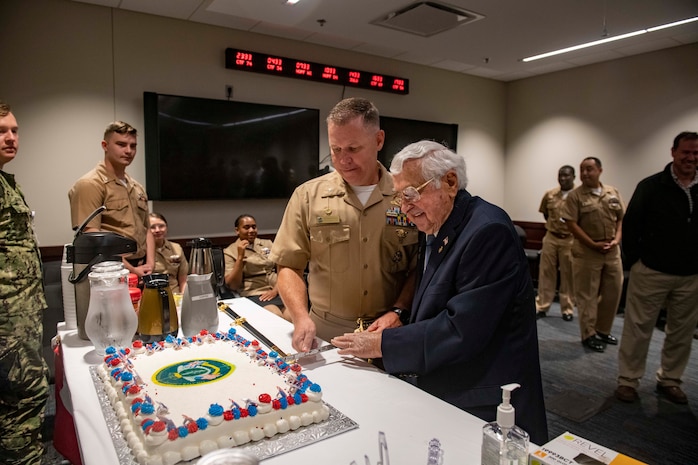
(575, 380)
(578, 387)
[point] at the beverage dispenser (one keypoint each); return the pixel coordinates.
(87, 250)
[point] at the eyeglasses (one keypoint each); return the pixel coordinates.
(410, 194)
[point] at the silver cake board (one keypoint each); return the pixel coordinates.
(265, 448)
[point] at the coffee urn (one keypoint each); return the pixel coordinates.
(87, 250)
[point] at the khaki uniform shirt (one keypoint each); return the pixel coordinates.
(258, 271)
(550, 206)
(127, 206)
(597, 215)
(170, 259)
(358, 256)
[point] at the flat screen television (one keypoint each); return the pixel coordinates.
(204, 149)
(400, 132)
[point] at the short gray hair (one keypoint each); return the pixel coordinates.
(5, 109)
(437, 160)
(345, 111)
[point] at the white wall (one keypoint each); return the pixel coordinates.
(625, 112)
(70, 68)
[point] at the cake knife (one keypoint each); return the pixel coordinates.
(300, 355)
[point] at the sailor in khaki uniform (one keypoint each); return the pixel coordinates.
(125, 198)
(557, 249)
(254, 275)
(594, 214)
(169, 256)
(358, 246)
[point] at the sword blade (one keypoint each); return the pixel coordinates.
(251, 329)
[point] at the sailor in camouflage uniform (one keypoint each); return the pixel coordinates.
(23, 371)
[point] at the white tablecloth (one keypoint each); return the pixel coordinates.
(409, 417)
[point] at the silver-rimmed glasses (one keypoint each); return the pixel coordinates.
(410, 193)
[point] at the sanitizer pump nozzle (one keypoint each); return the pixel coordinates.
(504, 443)
(506, 415)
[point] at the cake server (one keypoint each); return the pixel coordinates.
(300, 355)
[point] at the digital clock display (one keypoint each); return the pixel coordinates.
(245, 60)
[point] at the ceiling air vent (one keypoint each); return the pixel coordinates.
(427, 18)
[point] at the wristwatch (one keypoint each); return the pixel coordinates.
(402, 314)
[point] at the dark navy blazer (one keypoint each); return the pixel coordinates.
(473, 323)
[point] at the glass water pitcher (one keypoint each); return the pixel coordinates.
(111, 319)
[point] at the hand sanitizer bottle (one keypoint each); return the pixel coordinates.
(504, 443)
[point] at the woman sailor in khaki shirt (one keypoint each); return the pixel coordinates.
(254, 276)
(169, 256)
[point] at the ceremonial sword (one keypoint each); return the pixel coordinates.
(238, 320)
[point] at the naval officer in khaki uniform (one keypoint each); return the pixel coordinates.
(125, 198)
(557, 249)
(594, 214)
(360, 249)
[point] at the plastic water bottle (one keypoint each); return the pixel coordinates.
(68, 290)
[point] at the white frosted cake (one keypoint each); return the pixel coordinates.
(182, 398)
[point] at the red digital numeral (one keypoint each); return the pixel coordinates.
(377, 80)
(398, 84)
(330, 73)
(243, 59)
(354, 77)
(303, 69)
(274, 64)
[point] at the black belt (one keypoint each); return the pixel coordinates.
(135, 261)
(559, 235)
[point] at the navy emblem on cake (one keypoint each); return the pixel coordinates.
(193, 372)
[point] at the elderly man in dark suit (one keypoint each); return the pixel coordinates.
(472, 325)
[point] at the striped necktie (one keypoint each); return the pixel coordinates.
(427, 250)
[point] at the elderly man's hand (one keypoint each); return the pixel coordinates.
(387, 320)
(363, 345)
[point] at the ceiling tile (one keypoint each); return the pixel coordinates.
(109, 3)
(419, 58)
(280, 31)
(595, 57)
(452, 65)
(378, 49)
(484, 72)
(333, 41)
(551, 67)
(181, 9)
(687, 38)
(509, 31)
(233, 22)
(649, 46)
